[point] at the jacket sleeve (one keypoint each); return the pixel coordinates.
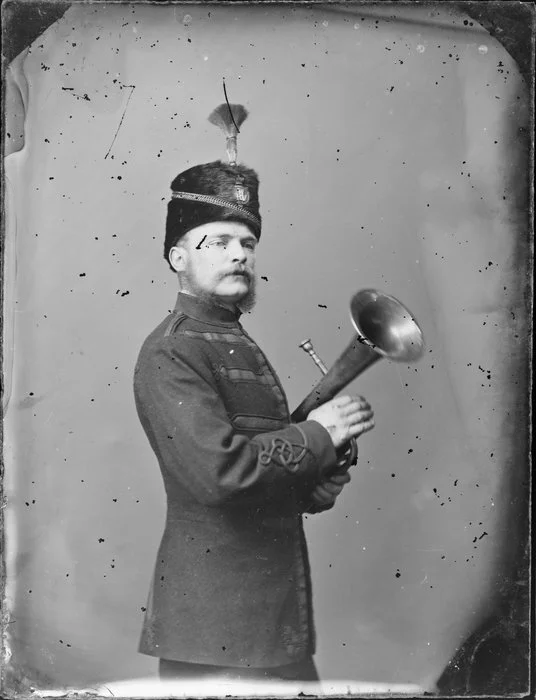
(188, 427)
(309, 506)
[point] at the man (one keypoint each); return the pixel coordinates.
(231, 591)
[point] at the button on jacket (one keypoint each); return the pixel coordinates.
(231, 584)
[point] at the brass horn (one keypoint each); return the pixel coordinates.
(384, 328)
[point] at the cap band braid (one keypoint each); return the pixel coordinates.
(219, 201)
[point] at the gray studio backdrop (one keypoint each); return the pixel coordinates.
(386, 145)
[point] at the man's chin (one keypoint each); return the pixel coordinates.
(233, 293)
(242, 297)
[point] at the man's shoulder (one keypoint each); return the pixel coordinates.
(168, 343)
(180, 331)
(169, 327)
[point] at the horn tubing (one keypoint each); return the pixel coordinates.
(357, 357)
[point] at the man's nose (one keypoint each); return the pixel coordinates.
(237, 251)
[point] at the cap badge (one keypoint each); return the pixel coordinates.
(241, 194)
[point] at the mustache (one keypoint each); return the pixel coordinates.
(239, 271)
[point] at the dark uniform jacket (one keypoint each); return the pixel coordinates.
(231, 584)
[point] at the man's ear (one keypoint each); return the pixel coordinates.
(178, 258)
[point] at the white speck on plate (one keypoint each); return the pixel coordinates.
(483, 49)
(421, 48)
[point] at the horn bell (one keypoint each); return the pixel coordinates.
(386, 326)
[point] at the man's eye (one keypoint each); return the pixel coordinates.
(250, 245)
(219, 244)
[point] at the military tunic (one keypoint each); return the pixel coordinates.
(231, 583)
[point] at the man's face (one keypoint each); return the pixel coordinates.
(216, 261)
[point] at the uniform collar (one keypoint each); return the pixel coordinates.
(201, 310)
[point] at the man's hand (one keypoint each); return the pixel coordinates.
(344, 417)
(325, 493)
